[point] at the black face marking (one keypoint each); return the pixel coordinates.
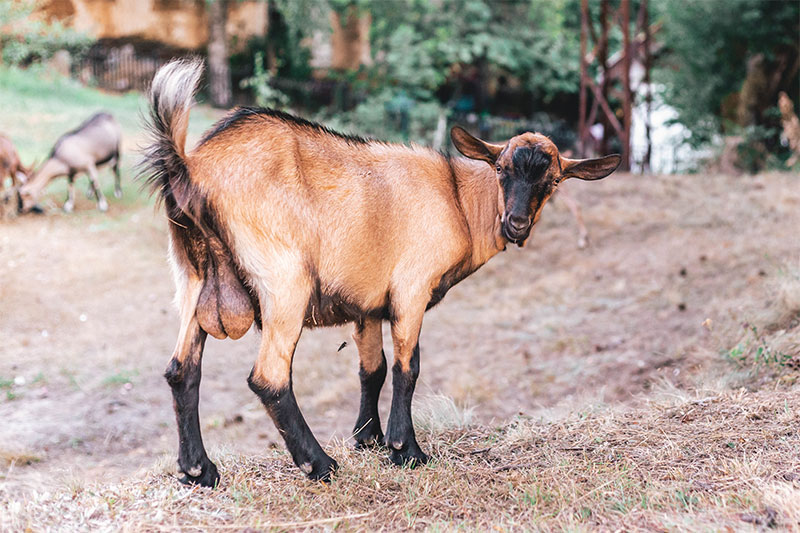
(525, 188)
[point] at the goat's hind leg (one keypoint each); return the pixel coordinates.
(372, 371)
(102, 204)
(271, 377)
(115, 168)
(183, 375)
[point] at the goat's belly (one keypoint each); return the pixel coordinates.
(334, 310)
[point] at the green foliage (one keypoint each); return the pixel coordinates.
(419, 44)
(708, 44)
(259, 82)
(24, 38)
(290, 40)
(755, 353)
(390, 116)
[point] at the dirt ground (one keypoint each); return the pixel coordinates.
(87, 324)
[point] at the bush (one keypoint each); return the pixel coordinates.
(25, 39)
(390, 116)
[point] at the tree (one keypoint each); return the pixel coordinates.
(219, 73)
(726, 61)
(25, 38)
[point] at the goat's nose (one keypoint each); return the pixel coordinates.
(518, 223)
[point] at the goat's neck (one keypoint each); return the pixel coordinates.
(480, 199)
(50, 169)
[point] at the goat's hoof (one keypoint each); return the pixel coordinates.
(117, 194)
(102, 206)
(369, 438)
(207, 477)
(320, 470)
(409, 455)
(583, 242)
(69, 208)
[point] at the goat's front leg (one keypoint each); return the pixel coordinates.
(102, 204)
(575, 209)
(271, 377)
(69, 205)
(400, 436)
(372, 371)
(183, 375)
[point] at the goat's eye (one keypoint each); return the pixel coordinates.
(498, 169)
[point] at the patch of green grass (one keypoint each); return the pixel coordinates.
(121, 378)
(40, 105)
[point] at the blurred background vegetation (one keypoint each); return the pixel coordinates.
(405, 70)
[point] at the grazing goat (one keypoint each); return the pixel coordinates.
(93, 143)
(281, 221)
(10, 165)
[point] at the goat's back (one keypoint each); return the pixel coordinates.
(95, 141)
(364, 215)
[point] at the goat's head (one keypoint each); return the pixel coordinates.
(529, 168)
(36, 181)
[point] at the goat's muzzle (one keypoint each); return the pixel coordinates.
(516, 229)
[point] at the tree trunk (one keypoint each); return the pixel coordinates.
(219, 74)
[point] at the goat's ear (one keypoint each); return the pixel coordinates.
(473, 147)
(589, 169)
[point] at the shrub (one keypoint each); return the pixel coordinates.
(25, 39)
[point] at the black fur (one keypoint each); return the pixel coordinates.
(304, 448)
(525, 186)
(185, 384)
(332, 308)
(450, 278)
(400, 437)
(367, 430)
(244, 114)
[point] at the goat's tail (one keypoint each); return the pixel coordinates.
(171, 93)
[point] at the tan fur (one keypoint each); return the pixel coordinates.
(280, 220)
(324, 229)
(377, 224)
(369, 341)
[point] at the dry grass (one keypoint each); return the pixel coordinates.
(709, 463)
(760, 345)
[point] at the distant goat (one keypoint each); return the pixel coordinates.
(10, 165)
(281, 221)
(93, 143)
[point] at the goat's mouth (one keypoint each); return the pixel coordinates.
(516, 234)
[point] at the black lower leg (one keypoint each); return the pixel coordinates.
(117, 184)
(400, 436)
(185, 382)
(367, 431)
(304, 448)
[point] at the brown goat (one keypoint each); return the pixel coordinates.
(10, 165)
(93, 143)
(282, 221)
